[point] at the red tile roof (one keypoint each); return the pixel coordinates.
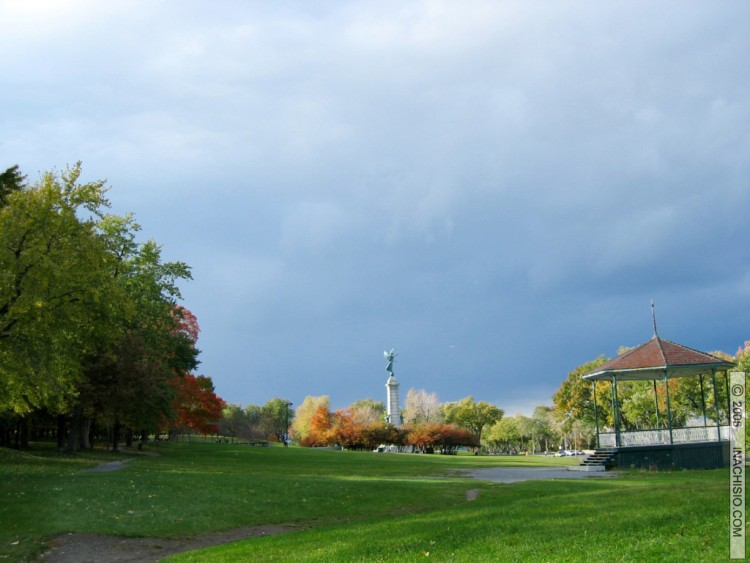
(655, 358)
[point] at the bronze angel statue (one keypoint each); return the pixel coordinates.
(391, 357)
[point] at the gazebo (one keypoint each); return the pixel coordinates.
(659, 360)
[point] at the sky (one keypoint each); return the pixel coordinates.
(497, 190)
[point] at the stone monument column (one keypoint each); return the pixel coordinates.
(392, 402)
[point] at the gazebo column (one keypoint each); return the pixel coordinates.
(669, 409)
(703, 399)
(716, 406)
(596, 414)
(656, 403)
(729, 398)
(616, 411)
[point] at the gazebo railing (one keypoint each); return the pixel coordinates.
(661, 436)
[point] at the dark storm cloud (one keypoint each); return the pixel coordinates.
(496, 189)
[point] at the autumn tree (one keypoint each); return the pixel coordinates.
(344, 431)
(321, 426)
(197, 406)
(429, 437)
(300, 429)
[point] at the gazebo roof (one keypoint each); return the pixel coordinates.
(655, 359)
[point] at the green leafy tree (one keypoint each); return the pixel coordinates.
(543, 427)
(57, 298)
(504, 435)
(472, 415)
(276, 417)
(233, 421)
(10, 181)
(574, 400)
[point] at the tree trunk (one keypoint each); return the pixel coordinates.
(23, 433)
(92, 432)
(74, 435)
(60, 431)
(129, 438)
(4, 433)
(116, 436)
(85, 440)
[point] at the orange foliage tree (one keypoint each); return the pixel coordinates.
(446, 438)
(321, 424)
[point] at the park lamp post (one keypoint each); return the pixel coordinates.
(286, 424)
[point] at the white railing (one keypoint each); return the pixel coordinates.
(607, 440)
(644, 438)
(657, 437)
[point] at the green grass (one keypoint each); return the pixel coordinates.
(641, 517)
(343, 500)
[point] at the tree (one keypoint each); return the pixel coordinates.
(344, 431)
(10, 181)
(197, 406)
(472, 415)
(300, 430)
(542, 427)
(446, 438)
(367, 411)
(321, 426)
(574, 399)
(276, 415)
(421, 407)
(504, 435)
(57, 299)
(135, 380)
(254, 421)
(233, 422)
(742, 358)
(88, 320)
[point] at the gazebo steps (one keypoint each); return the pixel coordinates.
(601, 458)
(587, 468)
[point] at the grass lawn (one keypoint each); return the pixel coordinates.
(360, 506)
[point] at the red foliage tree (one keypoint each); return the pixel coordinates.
(187, 323)
(196, 404)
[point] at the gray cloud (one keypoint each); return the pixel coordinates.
(497, 189)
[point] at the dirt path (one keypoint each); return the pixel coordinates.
(93, 548)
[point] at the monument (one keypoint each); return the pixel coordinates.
(392, 404)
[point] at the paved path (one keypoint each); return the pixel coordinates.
(515, 474)
(109, 466)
